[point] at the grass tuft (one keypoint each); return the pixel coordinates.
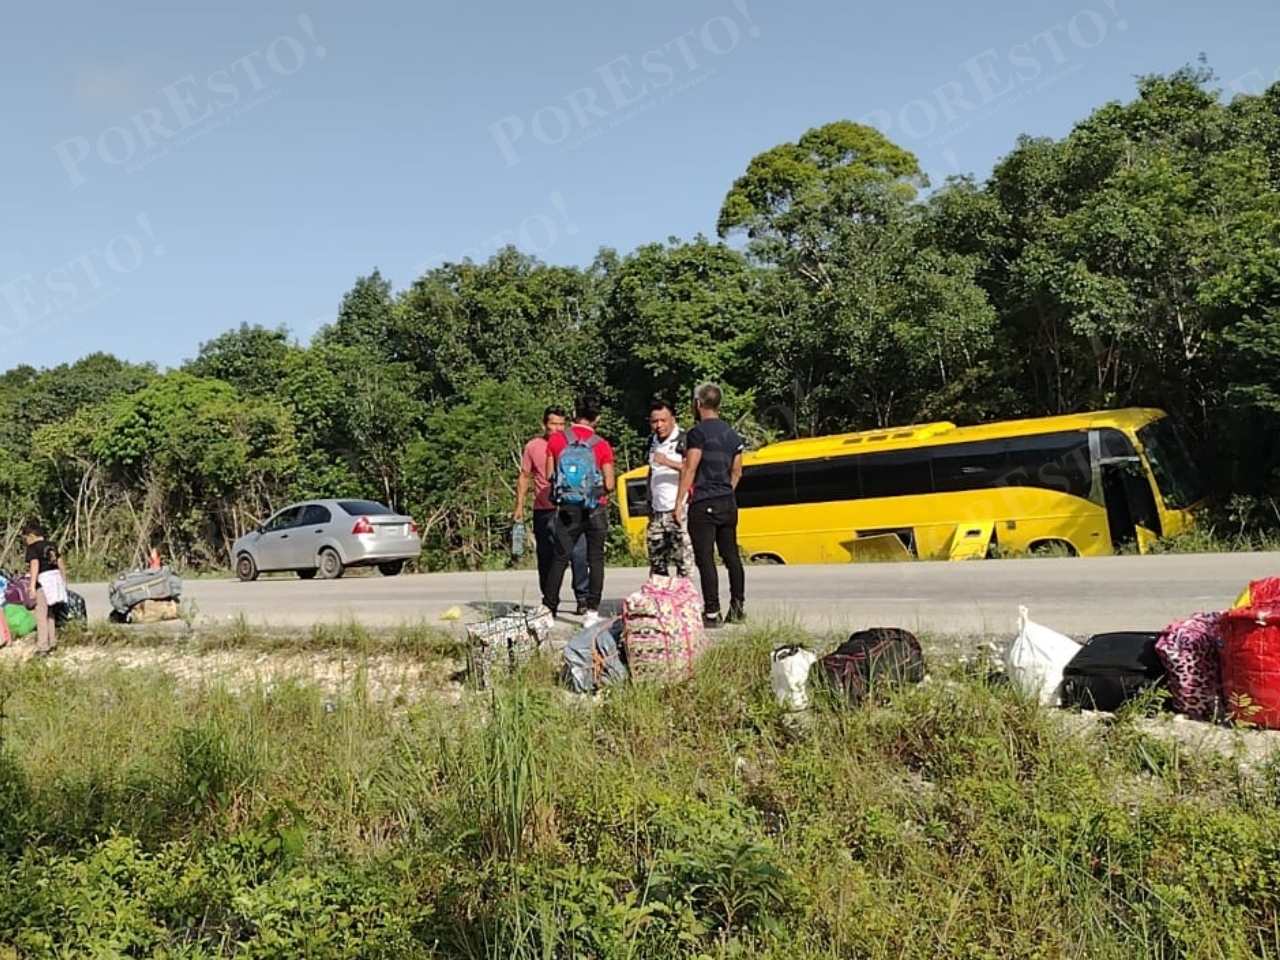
(144, 816)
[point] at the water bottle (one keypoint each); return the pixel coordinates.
(517, 539)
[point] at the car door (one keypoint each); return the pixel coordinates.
(311, 531)
(274, 545)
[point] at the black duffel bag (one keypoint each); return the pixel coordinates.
(1111, 669)
(870, 658)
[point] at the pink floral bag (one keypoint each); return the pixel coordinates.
(1189, 650)
(662, 629)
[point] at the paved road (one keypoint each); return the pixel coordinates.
(1077, 596)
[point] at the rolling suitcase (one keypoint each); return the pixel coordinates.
(1111, 669)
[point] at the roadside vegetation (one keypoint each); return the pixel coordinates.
(1130, 262)
(145, 815)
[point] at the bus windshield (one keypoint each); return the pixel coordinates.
(1177, 476)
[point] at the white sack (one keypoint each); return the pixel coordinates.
(1036, 659)
(790, 676)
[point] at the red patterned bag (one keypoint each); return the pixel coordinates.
(1189, 650)
(662, 629)
(1251, 665)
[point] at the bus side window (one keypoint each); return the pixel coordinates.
(1115, 444)
(826, 481)
(970, 466)
(904, 473)
(1052, 461)
(766, 485)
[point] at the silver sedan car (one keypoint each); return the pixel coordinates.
(326, 537)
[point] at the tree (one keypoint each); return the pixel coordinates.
(512, 318)
(252, 358)
(677, 315)
(857, 305)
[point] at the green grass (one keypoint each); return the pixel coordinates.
(143, 817)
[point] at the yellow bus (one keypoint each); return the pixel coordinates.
(1087, 484)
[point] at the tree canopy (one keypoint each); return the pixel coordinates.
(1135, 261)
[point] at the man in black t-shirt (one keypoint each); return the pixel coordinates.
(712, 468)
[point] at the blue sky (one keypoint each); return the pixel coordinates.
(169, 174)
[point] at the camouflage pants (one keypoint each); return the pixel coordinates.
(669, 544)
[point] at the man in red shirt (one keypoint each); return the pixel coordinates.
(573, 519)
(533, 466)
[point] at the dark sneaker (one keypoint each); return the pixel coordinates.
(735, 614)
(711, 620)
(580, 609)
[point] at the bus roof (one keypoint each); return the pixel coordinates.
(931, 434)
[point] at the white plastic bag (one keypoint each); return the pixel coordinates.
(790, 676)
(1036, 659)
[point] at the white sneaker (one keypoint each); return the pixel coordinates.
(591, 619)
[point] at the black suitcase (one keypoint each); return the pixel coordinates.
(1111, 669)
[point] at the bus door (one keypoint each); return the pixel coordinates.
(1132, 517)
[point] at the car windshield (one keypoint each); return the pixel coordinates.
(365, 508)
(1180, 482)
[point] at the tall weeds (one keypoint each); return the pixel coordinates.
(946, 819)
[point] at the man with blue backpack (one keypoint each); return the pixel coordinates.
(580, 465)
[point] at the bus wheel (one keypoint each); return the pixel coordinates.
(1052, 548)
(766, 558)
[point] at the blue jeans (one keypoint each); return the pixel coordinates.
(544, 536)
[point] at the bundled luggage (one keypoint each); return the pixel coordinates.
(1188, 649)
(501, 644)
(789, 675)
(662, 627)
(131, 588)
(886, 656)
(1036, 659)
(19, 620)
(1111, 669)
(154, 611)
(1250, 664)
(18, 596)
(18, 592)
(74, 610)
(593, 658)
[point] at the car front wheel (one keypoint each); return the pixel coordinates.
(246, 568)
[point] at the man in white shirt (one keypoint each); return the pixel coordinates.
(668, 539)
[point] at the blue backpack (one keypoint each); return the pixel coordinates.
(578, 481)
